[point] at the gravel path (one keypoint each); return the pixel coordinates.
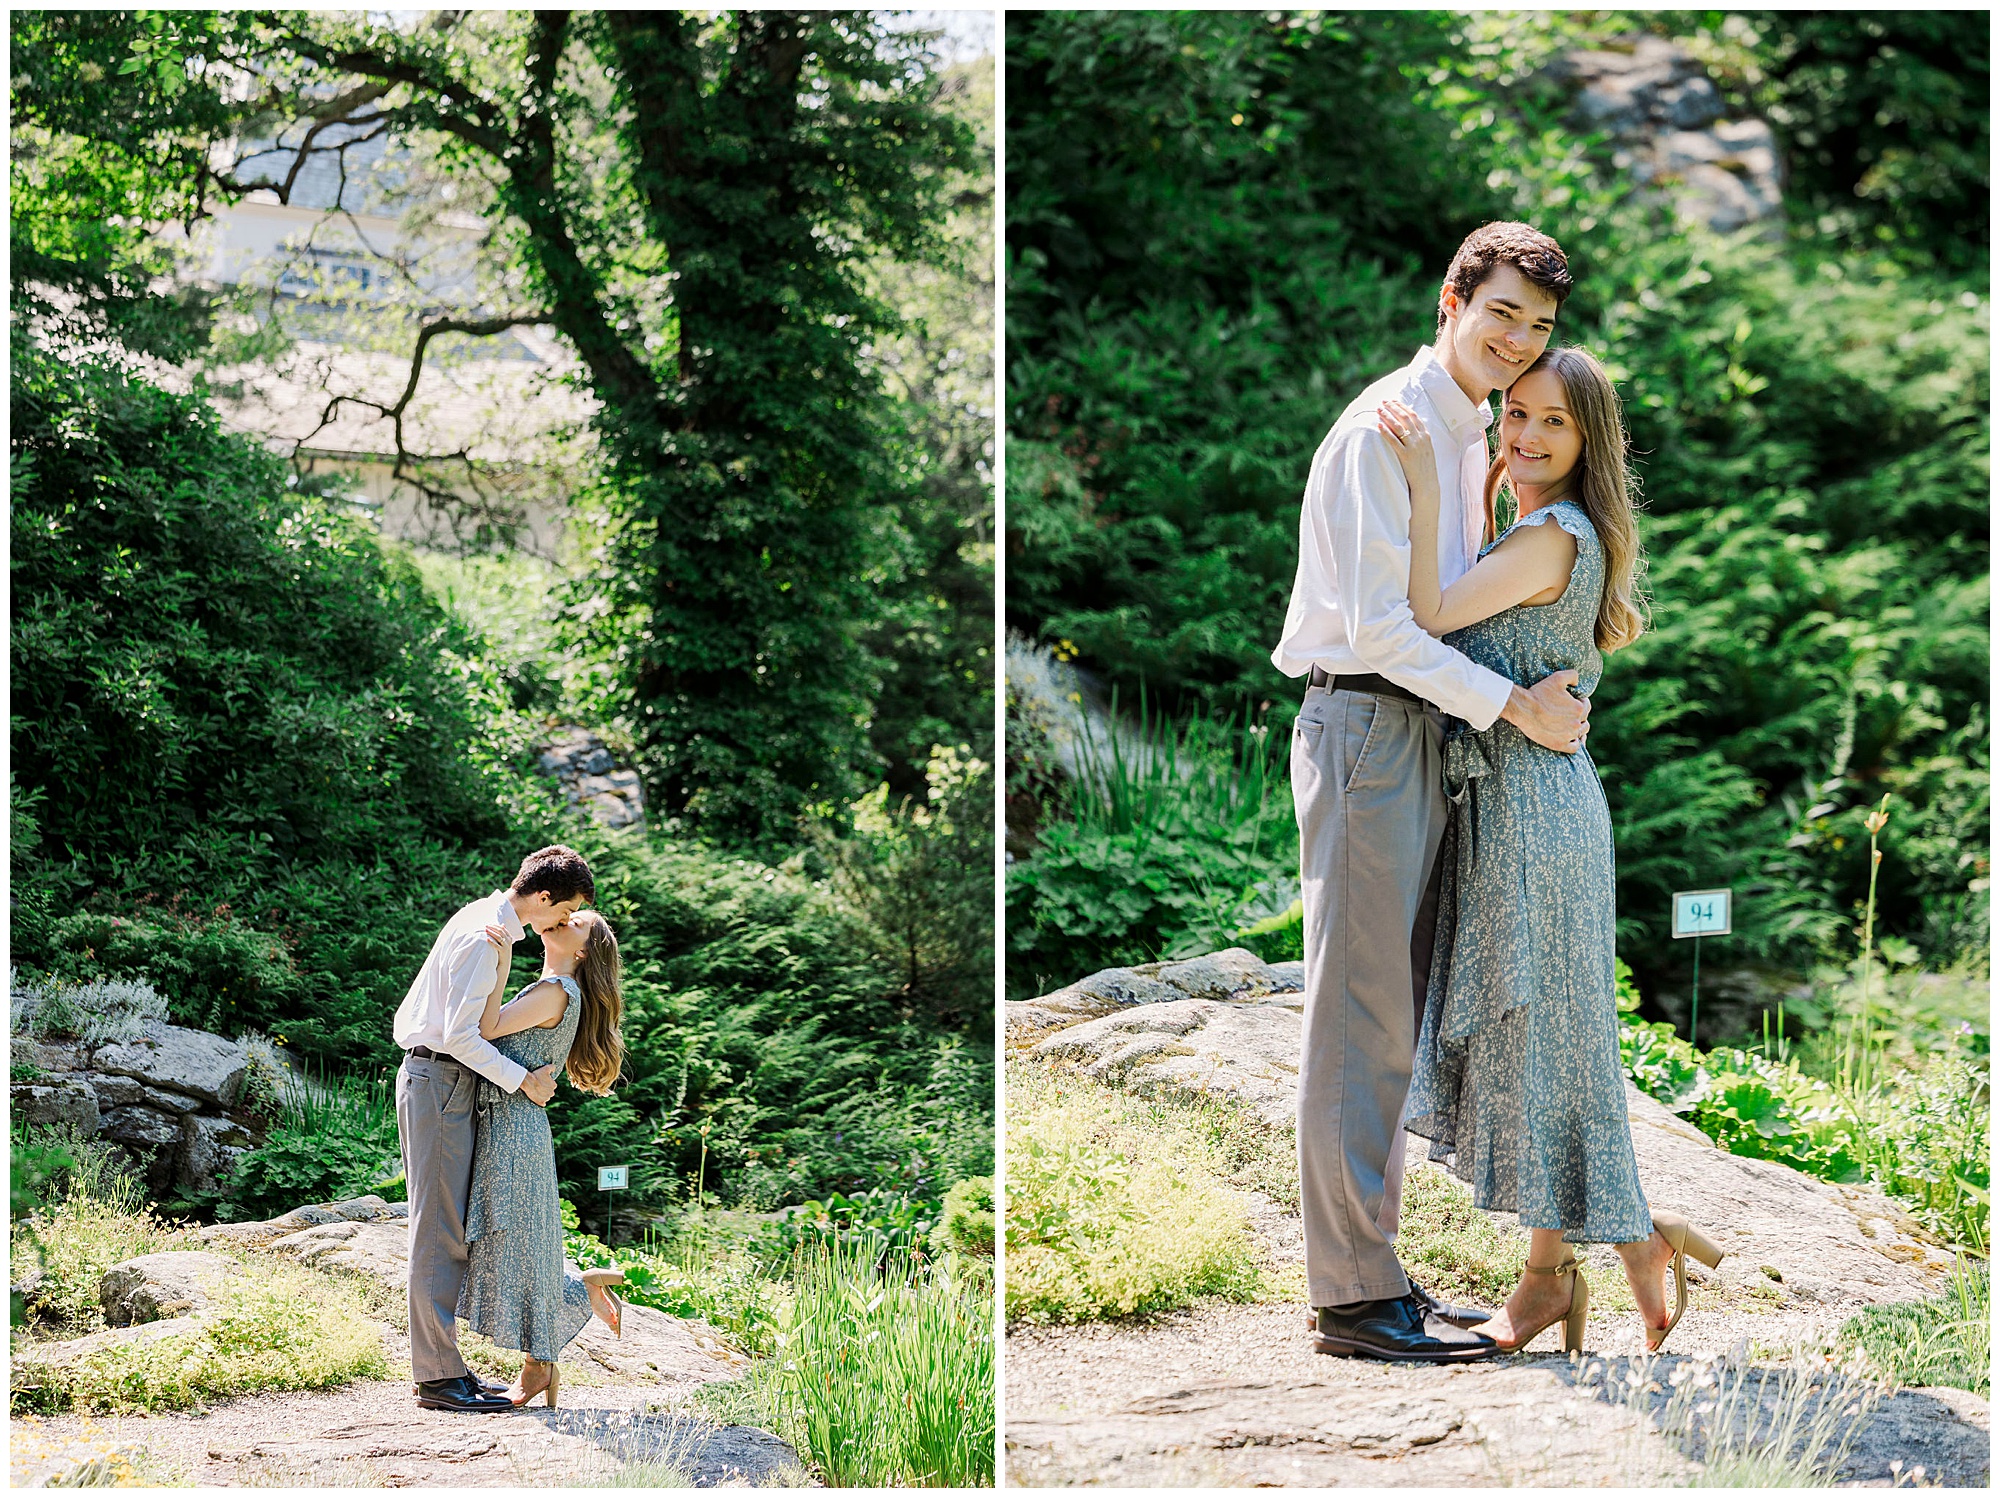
(1231, 1395)
(371, 1434)
(625, 1402)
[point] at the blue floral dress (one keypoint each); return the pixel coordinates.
(1518, 1083)
(518, 1290)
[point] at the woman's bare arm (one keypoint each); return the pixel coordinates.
(491, 1010)
(542, 1004)
(1531, 566)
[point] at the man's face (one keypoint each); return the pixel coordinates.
(1496, 332)
(541, 915)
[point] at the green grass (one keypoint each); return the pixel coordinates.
(96, 1217)
(1945, 1340)
(708, 1272)
(268, 1327)
(882, 1378)
(1117, 1205)
(1453, 1249)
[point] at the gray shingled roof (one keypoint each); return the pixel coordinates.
(376, 176)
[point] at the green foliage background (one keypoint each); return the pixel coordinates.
(1203, 269)
(260, 753)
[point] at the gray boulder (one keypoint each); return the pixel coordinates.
(305, 1217)
(180, 1060)
(208, 1148)
(155, 1287)
(129, 1092)
(50, 1055)
(59, 1102)
(591, 779)
(364, 1209)
(141, 1128)
(1233, 975)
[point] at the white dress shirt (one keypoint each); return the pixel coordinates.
(1350, 609)
(443, 1006)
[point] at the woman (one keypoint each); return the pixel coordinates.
(1518, 1082)
(518, 1291)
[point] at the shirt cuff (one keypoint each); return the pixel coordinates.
(1494, 689)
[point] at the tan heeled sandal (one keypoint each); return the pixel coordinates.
(548, 1389)
(1573, 1319)
(601, 1280)
(1684, 1239)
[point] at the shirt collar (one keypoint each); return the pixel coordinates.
(1459, 413)
(507, 917)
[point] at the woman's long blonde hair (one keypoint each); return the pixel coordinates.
(597, 1054)
(1606, 488)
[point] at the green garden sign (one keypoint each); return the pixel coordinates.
(1699, 913)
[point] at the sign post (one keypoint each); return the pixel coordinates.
(1699, 913)
(612, 1178)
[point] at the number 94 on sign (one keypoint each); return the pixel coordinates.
(1701, 912)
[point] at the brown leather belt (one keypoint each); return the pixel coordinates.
(425, 1053)
(1379, 686)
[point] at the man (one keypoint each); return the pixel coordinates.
(438, 1026)
(1366, 777)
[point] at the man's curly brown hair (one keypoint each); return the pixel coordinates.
(1523, 246)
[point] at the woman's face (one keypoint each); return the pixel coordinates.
(566, 940)
(1539, 438)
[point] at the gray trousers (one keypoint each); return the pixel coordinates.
(1367, 784)
(434, 1117)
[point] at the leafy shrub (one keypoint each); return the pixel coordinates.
(1945, 1339)
(331, 1141)
(269, 1327)
(877, 1223)
(1108, 1217)
(95, 1013)
(32, 1166)
(1920, 1132)
(1173, 837)
(965, 1224)
(219, 973)
(919, 877)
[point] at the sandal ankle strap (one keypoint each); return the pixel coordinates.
(1567, 1266)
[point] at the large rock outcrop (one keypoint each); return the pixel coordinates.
(1658, 103)
(1796, 1236)
(625, 1400)
(370, 1236)
(591, 777)
(171, 1098)
(157, 1287)
(192, 1063)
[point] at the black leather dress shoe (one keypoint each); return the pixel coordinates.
(499, 1391)
(461, 1393)
(1396, 1331)
(1467, 1316)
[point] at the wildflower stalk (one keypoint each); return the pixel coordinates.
(1877, 820)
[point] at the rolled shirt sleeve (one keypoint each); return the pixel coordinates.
(1358, 510)
(474, 967)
